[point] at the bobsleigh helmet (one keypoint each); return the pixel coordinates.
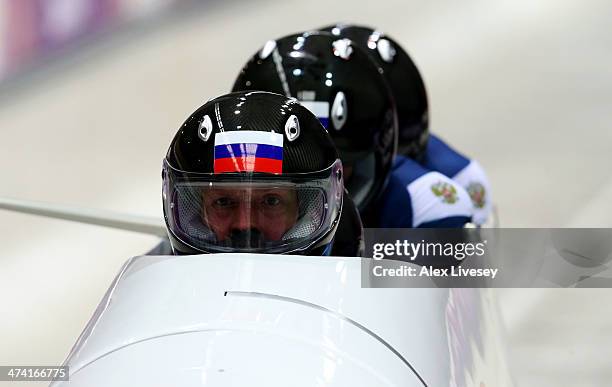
(344, 88)
(405, 81)
(252, 172)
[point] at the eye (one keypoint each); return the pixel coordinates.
(271, 201)
(223, 202)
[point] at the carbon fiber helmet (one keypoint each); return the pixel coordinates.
(344, 88)
(252, 172)
(405, 81)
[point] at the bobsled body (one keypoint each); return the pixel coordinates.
(275, 320)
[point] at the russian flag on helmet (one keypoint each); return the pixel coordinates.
(248, 151)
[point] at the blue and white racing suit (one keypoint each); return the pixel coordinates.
(418, 197)
(467, 173)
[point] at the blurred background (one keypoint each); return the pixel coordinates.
(92, 91)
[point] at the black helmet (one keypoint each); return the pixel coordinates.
(343, 87)
(348, 241)
(405, 81)
(252, 172)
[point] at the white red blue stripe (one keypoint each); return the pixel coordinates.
(248, 151)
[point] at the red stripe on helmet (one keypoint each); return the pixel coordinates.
(248, 164)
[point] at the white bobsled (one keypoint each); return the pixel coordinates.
(276, 320)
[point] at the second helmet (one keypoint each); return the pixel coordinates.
(345, 89)
(405, 81)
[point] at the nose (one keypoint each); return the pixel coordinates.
(244, 218)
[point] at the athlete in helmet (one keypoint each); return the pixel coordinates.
(415, 140)
(252, 172)
(344, 88)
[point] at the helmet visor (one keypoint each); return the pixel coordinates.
(360, 176)
(249, 212)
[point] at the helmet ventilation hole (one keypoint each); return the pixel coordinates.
(339, 111)
(386, 50)
(342, 48)
(292, 128)
(205, 129)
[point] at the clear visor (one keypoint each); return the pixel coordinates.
(249, 213)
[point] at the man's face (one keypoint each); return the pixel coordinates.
(232, 211)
